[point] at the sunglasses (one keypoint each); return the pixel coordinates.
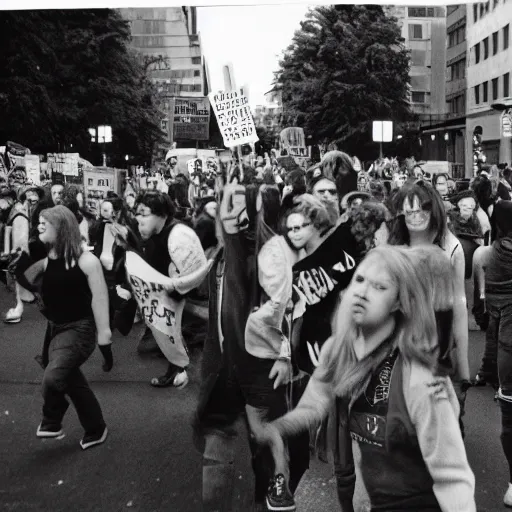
(296, 229)
(331, 191)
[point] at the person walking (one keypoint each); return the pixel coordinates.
(74, 299)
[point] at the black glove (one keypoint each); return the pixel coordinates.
(106, 351)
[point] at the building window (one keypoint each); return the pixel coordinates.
(196, 60)
(197, 72)
(495, 43)
(477, 53)
(421, 12)
(451, 9)
(475, 13)
(417, 97)
(506, 36)
(415, 31)
(418, 57)
(506, 84)
(485, 91)
(477, 95)
(495, 4)
(482, 8)
(494, 88)
(486, 48)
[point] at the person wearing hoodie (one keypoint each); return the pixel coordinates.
(494, 267)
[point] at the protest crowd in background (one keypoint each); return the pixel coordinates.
(330, 300)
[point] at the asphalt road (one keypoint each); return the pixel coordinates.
(149, 462)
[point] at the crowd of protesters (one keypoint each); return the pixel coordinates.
(337, 313)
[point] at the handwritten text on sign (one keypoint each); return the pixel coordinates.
(234, 117)
(161, 313)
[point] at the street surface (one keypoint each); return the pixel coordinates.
(149, 462)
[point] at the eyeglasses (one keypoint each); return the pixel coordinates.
(416, 213)
(331, 191)
(296, 229)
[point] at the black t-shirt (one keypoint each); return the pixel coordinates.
(318, 279)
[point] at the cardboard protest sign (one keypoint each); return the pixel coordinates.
(96, 185)
(64, 163)
(33, 169)
(234, 116)
(161, 313)
(191, 119)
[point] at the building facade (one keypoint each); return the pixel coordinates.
(488, 81)
(443, 136)
(168, 41)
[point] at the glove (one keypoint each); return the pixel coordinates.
(108, 357)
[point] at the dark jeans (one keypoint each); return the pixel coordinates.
(66, 348)
(499, 347)
(225, 404)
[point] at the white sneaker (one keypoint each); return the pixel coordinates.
(181, 379)
(507, 499)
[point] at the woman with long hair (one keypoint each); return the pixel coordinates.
(420, 220)
(380, 368)
(75, 302)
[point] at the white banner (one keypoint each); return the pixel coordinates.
(65, 163)
(33, 169)
(234, 117)
(161, 313)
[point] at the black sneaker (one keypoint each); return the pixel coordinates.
(90, 440)
(479, 380)
(279, 497)
(49, 431)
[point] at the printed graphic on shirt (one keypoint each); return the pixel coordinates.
(311, 286)
(368, 415)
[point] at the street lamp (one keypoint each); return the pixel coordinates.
(382, 131)
(104, 136)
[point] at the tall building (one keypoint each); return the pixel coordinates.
(168, 36)
(424, 33)
(443, 136)
(488, 82)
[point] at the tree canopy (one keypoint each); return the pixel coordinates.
(65, 71)
(346, 66)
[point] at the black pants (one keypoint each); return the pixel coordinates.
(66, 348)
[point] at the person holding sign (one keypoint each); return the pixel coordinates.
(172, 249)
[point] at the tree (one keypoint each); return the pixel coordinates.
(346, 67)
(65, 71)
(266, 141)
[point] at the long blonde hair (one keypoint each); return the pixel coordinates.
(415, 333)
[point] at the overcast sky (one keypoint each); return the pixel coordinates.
(252, 38)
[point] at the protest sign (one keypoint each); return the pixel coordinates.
(64, 163)
(96, 185)
(191, 119)
(161, 313)
(33, 169)
(234, 117)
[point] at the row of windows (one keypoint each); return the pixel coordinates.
(457, 70)
(420, 12)
(418, 97)
(483, 8)
(177, 88)
(457, 105)
(482, 90)
(457, 36)
(481, 49)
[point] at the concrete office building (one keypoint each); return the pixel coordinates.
(443, 136)
(169, 34)
(488, 80)
(424, 32)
